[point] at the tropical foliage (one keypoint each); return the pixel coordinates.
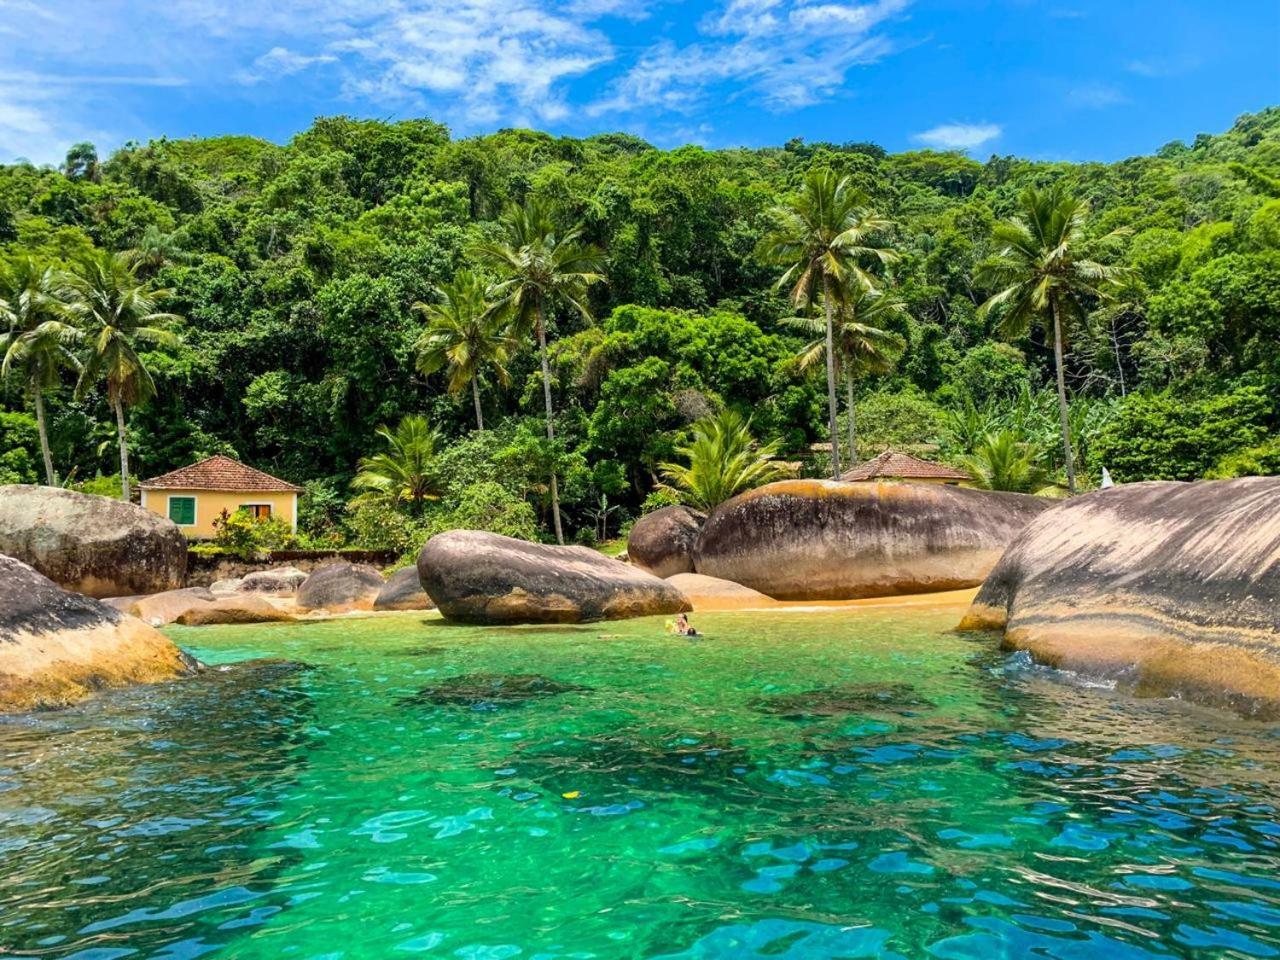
(723, 461)
(653, 277)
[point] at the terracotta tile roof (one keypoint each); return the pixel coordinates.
(902, 466)
(220, 473)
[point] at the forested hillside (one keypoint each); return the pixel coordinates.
(294, 270)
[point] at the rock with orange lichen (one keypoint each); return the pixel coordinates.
(93, 545)
(1172, 588)
(824, 540)
(485, 578)
(57, 647)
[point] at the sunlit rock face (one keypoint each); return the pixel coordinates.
(823, 540)
(93, 545)
(476, 577)
(662, 542)
(341, 587)
(1172, 588)
(57, 647)
(403, 592)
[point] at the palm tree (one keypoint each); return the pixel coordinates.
(464, 335)
(724, 460)
(541, 266)
(822, 234)
(155, 250)
(1002, 461)
(118, 314)
(862, 345)
(1040, 274)
(38, 345)
(405, 471)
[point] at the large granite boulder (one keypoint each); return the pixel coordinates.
(486, 578)
(404, 592)
(160, 609)
(341, 587)
(1170, 588)
(826, 540)
(279, 581)
(662, 542)
(93, 545)
(57, 647)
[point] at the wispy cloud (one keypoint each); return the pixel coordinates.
(1095, 96)
(959, 136)
(1161, 65)
(783, 54)
(280, 62)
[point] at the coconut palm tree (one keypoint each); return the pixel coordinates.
(862, 344)
(1002, 461)
(724, 460)
(39, 344)
(464, 335)
(119, 315)
(541, 266)
(822, 235)
(1041, 274)
(405, 471)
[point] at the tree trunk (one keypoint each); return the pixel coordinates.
(1062, 398)
(124, 450)
(551, 430)
(831, 381)
(1115, 344)
(475, 395)
(853, 420)
(50, 477)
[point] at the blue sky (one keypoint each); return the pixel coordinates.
(1069, 79)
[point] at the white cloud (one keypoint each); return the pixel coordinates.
(784, 54)
(959, 136)
(280, 62)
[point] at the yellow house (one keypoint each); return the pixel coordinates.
(894, 466)
(195, 496)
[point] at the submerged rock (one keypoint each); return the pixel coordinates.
(843, 701)
(711, 593)
(341, 587)
(56, 647)
(485, 578)
(403, 591)
(1172, 587)
(823, 540)
(491, 690)
(93, 545)
(662, 542)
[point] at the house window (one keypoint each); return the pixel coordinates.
(182, 511)
(259, 511)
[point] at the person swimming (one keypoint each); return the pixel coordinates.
(684, 627)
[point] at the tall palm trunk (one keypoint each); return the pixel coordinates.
(475, 395)
(551, 430)
(124, 449)
(831, 380)
(1062, 398)
(50, 477)
(853, 417)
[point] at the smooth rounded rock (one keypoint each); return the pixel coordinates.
(1172, 589)
(280, 581)
(161, 609)
(826, 540)
(240, 608)
(710, 593)
(486, 578)
(662, 542)
(93, 545)
(404, 592)
(340, 587)
(57, 647)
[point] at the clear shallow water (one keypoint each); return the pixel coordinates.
(932, 799)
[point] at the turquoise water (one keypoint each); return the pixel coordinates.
(796, 786)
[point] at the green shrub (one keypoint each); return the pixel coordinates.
(1260, 461)
(245, 535)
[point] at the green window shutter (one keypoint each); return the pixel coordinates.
(182, 511)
